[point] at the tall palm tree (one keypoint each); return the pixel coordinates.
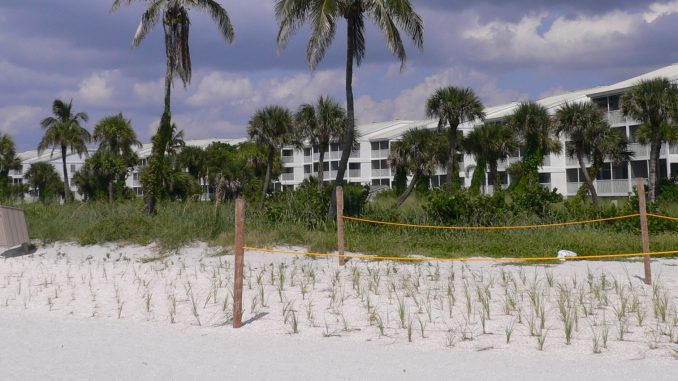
(116, 138)
(453, 106)
(652, 102)
(63, 130)
(323, 17)
(320, 124)
(532, 124)
(589, 137)
(489, 144)
(176, 26)
(272, 127)
(417, 153)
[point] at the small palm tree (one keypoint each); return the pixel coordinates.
(532, 124)
(8, 158)
(63, 131)
(271, 127)
(489, 144)
(453, 106)
(43, 179)
(653, 102)
(176, 141)
(590, 137)
(323, 16)
(417, 153)
(320, 124)
(176, 25)
(116, 139)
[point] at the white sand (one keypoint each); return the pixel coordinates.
(59, 318)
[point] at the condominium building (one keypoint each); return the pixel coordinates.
(368, 163)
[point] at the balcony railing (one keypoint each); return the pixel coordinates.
(287, 176)
(674, 149)
(380, 154)
(381, 172)
(603, 187)
(353, 173)
(288, 159)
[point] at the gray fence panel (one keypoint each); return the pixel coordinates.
(13, 229)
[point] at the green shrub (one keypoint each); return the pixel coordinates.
(308, 206)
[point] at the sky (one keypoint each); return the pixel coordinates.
(505, 50)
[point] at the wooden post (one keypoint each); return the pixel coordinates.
(644, 235)
(239, 261)
(340, 225)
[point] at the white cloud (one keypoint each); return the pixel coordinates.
(149, 92)
(410, 103)
(217, 87)
(657, 10)
(15, 118)
(565, 37)
(96, 89)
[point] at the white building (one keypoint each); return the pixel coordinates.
(368, 164)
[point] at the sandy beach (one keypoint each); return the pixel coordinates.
(128, 312)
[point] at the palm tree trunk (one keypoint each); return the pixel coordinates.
(452, 180)
(350, 119)
(495, 173)
(321, 163)
(408, 190)
(160, 141)
(655, 148)
(588, 179)
(267, 179)
(478, 178)
(110, 191)
(67, 188)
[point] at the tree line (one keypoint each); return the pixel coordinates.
(652, 102)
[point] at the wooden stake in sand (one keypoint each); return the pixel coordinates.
(644, 235)
(239, 261)
(340, 225)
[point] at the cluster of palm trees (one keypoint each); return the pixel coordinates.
(323, 17)
(530, 128)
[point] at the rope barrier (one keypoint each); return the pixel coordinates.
(475, 259)
(662, 217)
(513, 227)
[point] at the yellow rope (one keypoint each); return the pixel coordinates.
(425, 259)
(662, 217)
(491, 227)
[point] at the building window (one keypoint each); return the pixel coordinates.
(354, 169)
(307, 168)
(326, 167)
(544, 178)
(377, 182)
(633, 134)
(502, 175)
(620, 171)
(72, 168)
(639, 169)
(572, 175)
(307, 151)
(605, 172)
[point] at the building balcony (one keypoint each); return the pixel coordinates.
(603, 187)
(287, 177)
(353, 173)
(288, 159)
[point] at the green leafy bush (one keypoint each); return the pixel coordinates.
(308, 206)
